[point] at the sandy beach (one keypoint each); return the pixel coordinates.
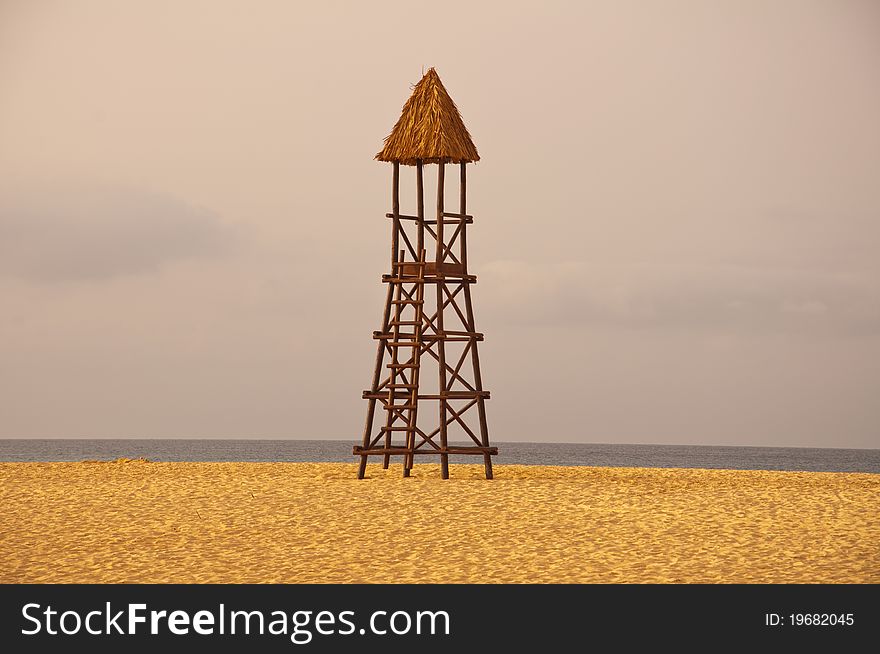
(136, 521)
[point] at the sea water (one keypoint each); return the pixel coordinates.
(559, 454)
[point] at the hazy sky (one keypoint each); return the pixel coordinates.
(677, 215)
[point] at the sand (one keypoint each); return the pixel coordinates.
(135, 521)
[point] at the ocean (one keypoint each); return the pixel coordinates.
(560, 454)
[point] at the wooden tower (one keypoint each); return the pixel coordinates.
(427, 380)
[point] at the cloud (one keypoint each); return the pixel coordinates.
(77, 233)
(683, 296)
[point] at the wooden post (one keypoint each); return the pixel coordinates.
(462, 209)
(396, 259)
(391, 418)
(415, 362)
(471, 325)
(395, 210)
(420, 207)
(441, 349)
(420, 249)
(478, 382)
(374, 387)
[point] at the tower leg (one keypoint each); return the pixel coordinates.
(408, 459)
(471, 325)
(377, 373)
(441, 287)
(478, 383)
(396, 260)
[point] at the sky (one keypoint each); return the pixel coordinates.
(677, 215)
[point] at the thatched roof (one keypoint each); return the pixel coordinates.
(430, 128)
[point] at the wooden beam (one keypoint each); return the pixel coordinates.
(420, 206)
(452, 395)
(441, 348)
(448, 218)
(395, 212)
(454, 304)
(443, 452)
(409, 246)
(455, 373)
(478, 383)
(380, 355)
(467, 279)
(462, 204)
